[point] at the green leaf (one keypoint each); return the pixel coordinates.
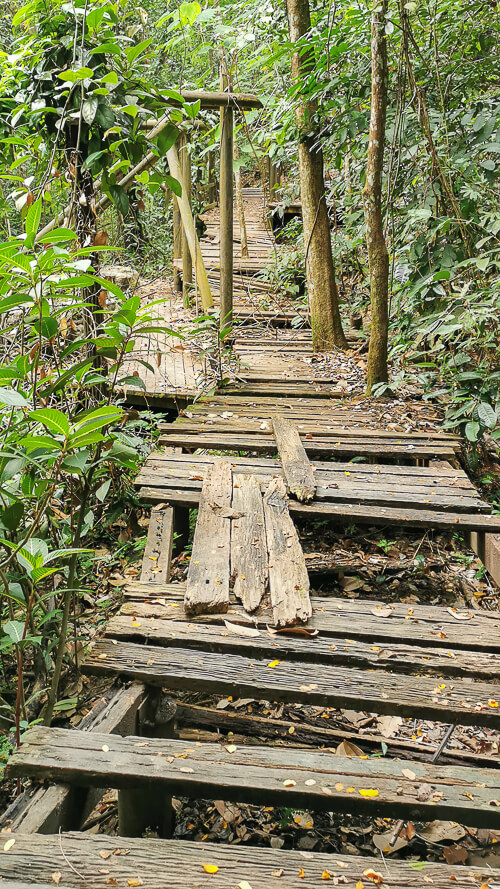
(120, 198)
(57, 235)
(418, 865)
(14, 629)
(66, 704)
(55, 421)
(131, 110)
(89, 109)
(173, 184)
(471, 431)
(487, 414)
(188, 13)
(166, 138)
(11, 517)
(32, 221)
(136, 51)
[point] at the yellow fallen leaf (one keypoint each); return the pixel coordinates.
(326, 875)
(339, 786)
(135, 881)
(350, 789)
(359, 885)
(492, 703)
(370, 793)
(244, 885)
(8, 845)
(289, 783)
(210, 868)
(273, 664)
(301, 873)
(374, 876)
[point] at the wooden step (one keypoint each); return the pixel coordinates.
(262, 775)
(428, 625)
(86, 861)
(135, 623)
(446, 699)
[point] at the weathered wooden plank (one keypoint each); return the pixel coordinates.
(437, 627)
(353, 512)
(178, 864)
(288, 577)
(399, 657)
(159, 542)
(297, 470)
(248, 543)
(207, 586)
(262, 775)
(460, 700)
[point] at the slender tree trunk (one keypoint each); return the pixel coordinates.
(240, 207)
(378, 258)
(320, 273)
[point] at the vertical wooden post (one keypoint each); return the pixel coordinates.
(176, 222)
(187, 263)
(226, 217)
(212, 183)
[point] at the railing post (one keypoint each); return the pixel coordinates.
(187, 263)
(176, 222)
(226, 217)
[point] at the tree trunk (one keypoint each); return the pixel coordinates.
(320, 273)
(240, 207)
(378, 258)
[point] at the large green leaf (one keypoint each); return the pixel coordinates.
(13, 398)
(53, 420)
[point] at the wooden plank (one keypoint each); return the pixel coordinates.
(297, 470)
(398, 657)
(159, 542)
(357, 514)
(262, 775)
(207, 587)
(288, 577)
(459, 700)
(437, 627)
(248, 543)
(178, 864)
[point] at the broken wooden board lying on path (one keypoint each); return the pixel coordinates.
(207, 587)
(239, 536)
(33, 859)
(288, 577)
(303, 779)
(249, 559)
(299, 475)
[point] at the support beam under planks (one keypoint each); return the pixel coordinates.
(207, 587)
(288, 578)
(248, 543)
(61, 807)
(298, 472)
(158, 550)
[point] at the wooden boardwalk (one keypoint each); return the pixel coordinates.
(246, 623)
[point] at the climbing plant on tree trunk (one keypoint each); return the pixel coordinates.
(378, 258)
(320, 273)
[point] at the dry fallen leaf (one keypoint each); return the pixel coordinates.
(105, 853)
(277, 873)
(8, 845)
(231, 748)
(238, 630)
(210, 868)
(56, 877)
(289, 783)
(374, 876)
(135, 881)
(244, 885)
(409, 774)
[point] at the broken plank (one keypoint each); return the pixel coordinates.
(248, 543)
(294, 461)
(207, 587)
(288, 577)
